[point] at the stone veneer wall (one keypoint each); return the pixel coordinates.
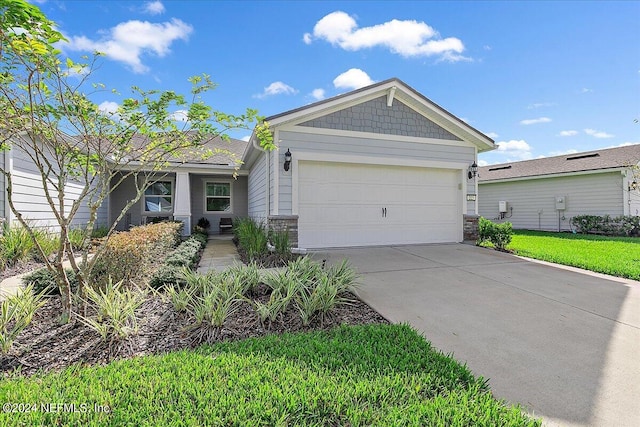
(285, 222)
(470, 224)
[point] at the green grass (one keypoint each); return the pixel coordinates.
(383, 375)
(617, 256)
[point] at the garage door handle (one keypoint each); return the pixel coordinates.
(382, 212)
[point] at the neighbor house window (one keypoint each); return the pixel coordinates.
(158, 198)
(218, 196)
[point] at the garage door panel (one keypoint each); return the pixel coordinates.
(341, 204)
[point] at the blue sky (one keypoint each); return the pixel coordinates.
(540, 78)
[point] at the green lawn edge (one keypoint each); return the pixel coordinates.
(616, 256)
(350, 375)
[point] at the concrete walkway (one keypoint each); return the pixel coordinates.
(562, 342)
(219, 254)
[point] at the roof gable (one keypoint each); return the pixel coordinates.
(392, 92)
(376, 116)
(609, 158)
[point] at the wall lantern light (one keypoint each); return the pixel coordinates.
(473, 170)
(287, 160)
(634, 185)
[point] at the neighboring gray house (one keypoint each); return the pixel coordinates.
(29, 196)
(544, 194)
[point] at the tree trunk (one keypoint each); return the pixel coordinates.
(65, 294)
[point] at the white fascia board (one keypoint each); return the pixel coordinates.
(335, 105)
(191, 168)
(439, 117)
(554, 175)
(381, 136)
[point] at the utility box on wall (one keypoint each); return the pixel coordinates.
(561, 203)
(502, 206)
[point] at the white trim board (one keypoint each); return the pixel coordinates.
(554, 175)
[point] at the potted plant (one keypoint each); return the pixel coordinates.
(202, 226)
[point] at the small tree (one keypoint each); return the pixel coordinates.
(48, 116)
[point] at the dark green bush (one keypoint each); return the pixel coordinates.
(42, 279)
(185, 255)
(605, 224)
(499, 235)
(252, 236)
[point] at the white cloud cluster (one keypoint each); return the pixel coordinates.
(568, 133)
(540, 105)
(276, 88)
(598, 134)
(128, 41)
(318, 94)
(515, 149)
(407, 38)
(353, 78)
(492, 135)
(527, 122)
(154, 7)
(108, 107)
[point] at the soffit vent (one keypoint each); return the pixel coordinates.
(583, 156)
(500, 168)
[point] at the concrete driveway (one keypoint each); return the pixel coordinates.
(563, 343)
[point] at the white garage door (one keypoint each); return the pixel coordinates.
(345, 204)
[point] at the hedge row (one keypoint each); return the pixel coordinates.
(184, 256)
(133, 255)
(498, 234)
(617, 226)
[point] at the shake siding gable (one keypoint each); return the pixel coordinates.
(376, 117)
(533, 200)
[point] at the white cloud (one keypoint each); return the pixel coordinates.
(306, 38)
(354, 78)
(246, 138)
(515, 149)
(405, 38)
(586, 90)
(128, 41)
(318, 94)
(568, 133)
(535, 121)
(154, 7)
(541, 105)
(179, 115)
(482, 163)
(492, 135)
(598, 134)
(276, 88)
(486, 47)
(108, 107)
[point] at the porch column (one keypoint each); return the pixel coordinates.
(182, 207)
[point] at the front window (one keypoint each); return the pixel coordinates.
(218, 196)
(159, 197)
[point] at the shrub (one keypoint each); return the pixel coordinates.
(16, 313)
(618, 226)
(499, 235)
(252, 237)
(280, 241)
(43, 281)
(247, 275)
(184, 256)
(99, 232)
(131, 256)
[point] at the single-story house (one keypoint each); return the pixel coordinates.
(544, 194)
(379, 165)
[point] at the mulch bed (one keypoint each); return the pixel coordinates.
(47, 346)
(19, 268)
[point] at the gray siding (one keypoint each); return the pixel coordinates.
(29, 197)
(239, 199)
(256, 189)
(360, 146)
(533, 201)
(374, 116)
(118, 200)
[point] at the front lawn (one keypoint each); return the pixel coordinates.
(617, 256)
(359, 375)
